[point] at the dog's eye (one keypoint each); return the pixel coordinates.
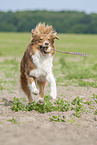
(40, 39)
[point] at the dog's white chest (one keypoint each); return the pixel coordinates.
(43, 65)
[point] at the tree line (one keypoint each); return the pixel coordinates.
(62, 21)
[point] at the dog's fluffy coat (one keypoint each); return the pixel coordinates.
(36, 64)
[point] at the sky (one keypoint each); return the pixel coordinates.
(88, 6)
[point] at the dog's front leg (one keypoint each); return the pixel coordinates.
(51, 80)
(32, 86)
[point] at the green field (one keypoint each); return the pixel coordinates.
(72, 117)
(68, 69)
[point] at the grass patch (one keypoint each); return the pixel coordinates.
(9, 70)
(66, 67)
(95, 98)
(95, 113)
(87, 84)
(47, 106)
(77, 106)
(13, 120)
(71, 120)
(57, 118)
(1, 122)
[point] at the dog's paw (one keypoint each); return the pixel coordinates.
(35, 91)
(53, 95)
(40, 101)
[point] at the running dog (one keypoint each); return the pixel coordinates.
(36, 64)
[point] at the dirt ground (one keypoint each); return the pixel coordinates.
(34, 128)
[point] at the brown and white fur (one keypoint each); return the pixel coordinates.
(36, 64)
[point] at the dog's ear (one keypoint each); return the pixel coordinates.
(54, 36)
(32, 36)
(33, 33)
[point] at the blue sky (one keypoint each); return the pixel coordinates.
(87, 6)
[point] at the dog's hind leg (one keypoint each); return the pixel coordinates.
(41, 85)
(29, 95)
(24, 85)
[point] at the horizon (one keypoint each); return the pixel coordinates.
(6, 11)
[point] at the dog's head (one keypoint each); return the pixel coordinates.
(43, 38)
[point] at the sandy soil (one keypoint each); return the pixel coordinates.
(34, 128)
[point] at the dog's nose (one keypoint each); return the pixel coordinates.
(46, 43)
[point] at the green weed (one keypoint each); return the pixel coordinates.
(57, 118)
(23, 99)
(88, 102)
(17, 105)
(78, 106)
(91, 107)
(95, 113)
(62, 105)
(13, 120)
(1, 122)
(95, 98)
(87, 84)
(71, 120)
(47, 106)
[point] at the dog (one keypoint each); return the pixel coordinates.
(36, 64)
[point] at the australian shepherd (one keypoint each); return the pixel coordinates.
(36, 64)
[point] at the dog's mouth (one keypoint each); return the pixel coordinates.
(44, 50)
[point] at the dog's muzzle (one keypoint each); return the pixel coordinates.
(45, 49)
